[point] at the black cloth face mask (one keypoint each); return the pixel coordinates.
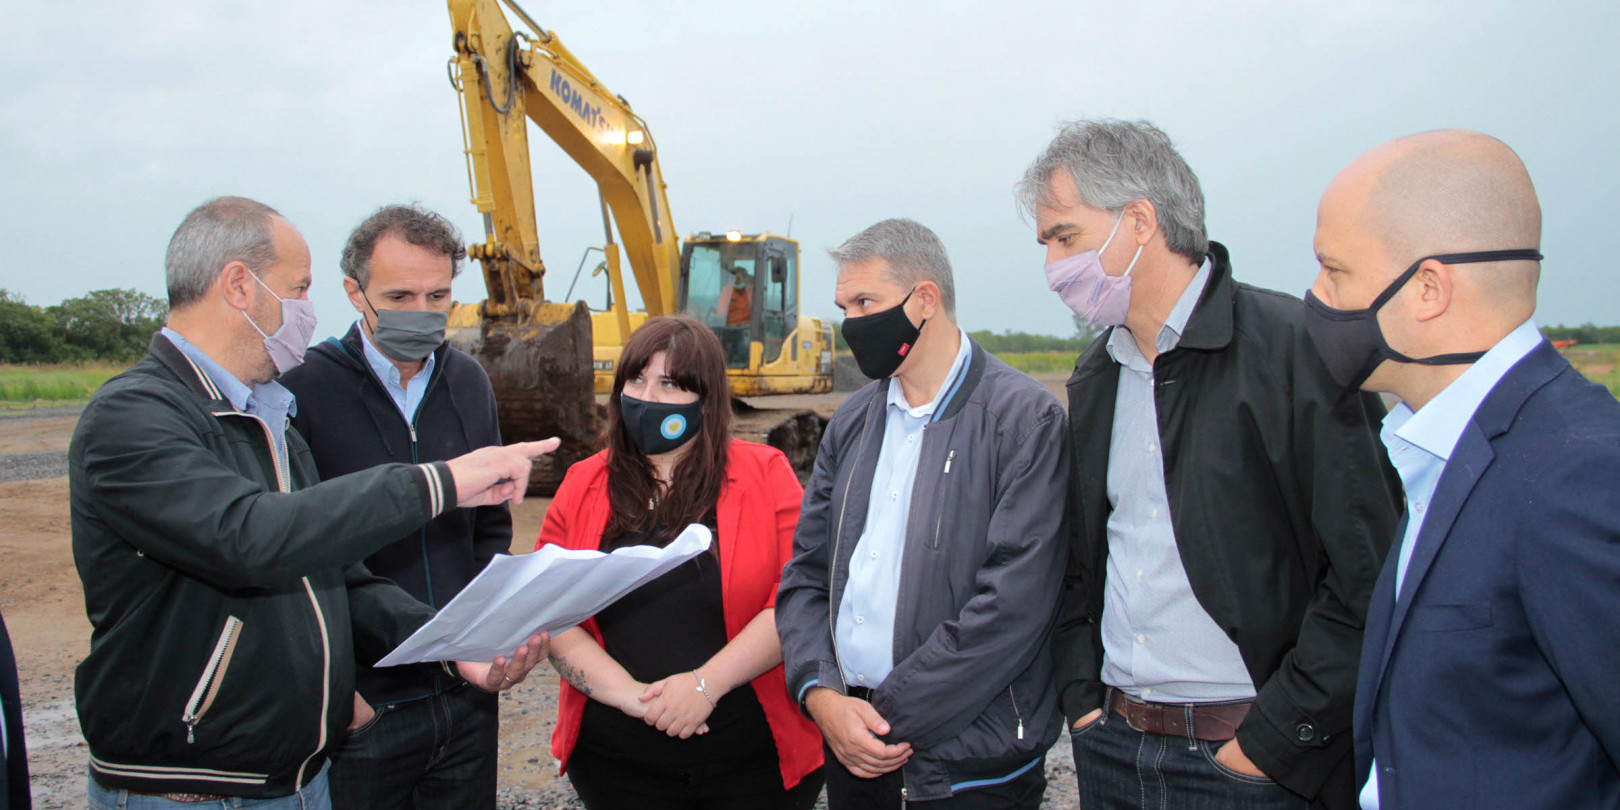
(1352, 345)
(881, 341)
(659, 427)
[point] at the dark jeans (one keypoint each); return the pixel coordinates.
(846, 791)
(743, 783)
(437, 753)
(1119, 767)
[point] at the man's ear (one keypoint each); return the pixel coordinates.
(1141, 221)
(236, 285)
(1433, 284)
(927, 292)
(356, 298)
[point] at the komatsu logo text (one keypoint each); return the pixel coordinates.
(574, 100)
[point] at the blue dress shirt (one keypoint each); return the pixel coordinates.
(1159, 643)
(408, 397)
(1420, 444)
(865, 634)
(271, 402)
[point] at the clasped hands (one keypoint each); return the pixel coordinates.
(854, 730)
(673, 705)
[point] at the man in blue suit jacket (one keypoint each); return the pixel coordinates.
(1490, 670)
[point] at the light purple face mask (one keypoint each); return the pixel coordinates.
(288, 344)
(1099, 299)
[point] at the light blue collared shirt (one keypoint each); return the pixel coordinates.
(1159, 644)
(269, 401)
(408, 397)
(1420, 443)
(865, 634)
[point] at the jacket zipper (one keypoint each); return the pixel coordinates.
(284, 483)
(838, 537)
(202, 697)
(1020, 715)
(940, 518)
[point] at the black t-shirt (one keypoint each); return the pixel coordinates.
(672, 625)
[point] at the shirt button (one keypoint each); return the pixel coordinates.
(1139, 573)
(1148, 692)
(861, 678)
(874, 555)
(1417, 506)
(894, 496)
(1140, 639)
(860, 620)
(1152, 447)
(1154, 514)
(911, 438)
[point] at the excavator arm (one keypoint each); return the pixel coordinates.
(507, 78)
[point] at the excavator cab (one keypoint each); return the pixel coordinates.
(745, 287)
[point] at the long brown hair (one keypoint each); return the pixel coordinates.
(696, 363)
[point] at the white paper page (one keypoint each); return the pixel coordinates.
(552, 589)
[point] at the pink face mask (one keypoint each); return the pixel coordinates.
(288, 344)
(1099, 299)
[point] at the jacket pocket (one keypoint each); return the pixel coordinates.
(207, 688)
(1449, 618)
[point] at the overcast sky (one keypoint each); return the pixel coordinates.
(118, 118)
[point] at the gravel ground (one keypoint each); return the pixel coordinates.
(32, 466)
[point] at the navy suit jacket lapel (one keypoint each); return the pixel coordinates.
(1469, 460)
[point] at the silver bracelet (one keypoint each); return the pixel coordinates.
(703, 687)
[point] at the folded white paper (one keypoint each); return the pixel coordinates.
(552, 589)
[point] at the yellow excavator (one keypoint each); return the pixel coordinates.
(547, 359)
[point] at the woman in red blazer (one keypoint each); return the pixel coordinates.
(652, 711)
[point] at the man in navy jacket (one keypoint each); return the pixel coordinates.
(393, 390)
(1487, 677)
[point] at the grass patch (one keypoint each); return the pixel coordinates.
(1040, 362)
(1600, 363)
(44, 385)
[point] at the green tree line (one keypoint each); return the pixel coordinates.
(100, 325)
(1585, 333)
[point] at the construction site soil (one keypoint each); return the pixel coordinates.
(43, 605)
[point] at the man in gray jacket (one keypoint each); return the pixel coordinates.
(915, 614)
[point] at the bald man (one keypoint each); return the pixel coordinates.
(1488, 674)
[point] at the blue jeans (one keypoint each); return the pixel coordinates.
(312, 797)
(437, 753)
(1120, 768)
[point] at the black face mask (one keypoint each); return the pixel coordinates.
(881, 341)
(1350, 341)
(659, 427)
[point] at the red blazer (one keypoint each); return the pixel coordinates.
(757, 513)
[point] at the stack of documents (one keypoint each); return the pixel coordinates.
(552, 589)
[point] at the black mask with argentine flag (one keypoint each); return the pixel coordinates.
(659, 427)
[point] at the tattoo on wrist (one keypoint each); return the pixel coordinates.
(572, 674)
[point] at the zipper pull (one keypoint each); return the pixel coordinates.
(948, 458)
(413, 435)
(1020, 728)
(191, 735)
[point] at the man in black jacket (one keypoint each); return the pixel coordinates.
(220, 573)
(1230, 503)
(14, 756)
(392, 390)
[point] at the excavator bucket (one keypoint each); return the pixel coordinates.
(540, 367)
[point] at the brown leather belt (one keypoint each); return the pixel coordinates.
(1210, 722)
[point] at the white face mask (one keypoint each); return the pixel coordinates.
(288, 344)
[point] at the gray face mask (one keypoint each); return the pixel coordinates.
(407, 335)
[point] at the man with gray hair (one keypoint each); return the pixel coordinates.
(1230, 503)
(916, 611)
(221, 575)
(393, 390)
